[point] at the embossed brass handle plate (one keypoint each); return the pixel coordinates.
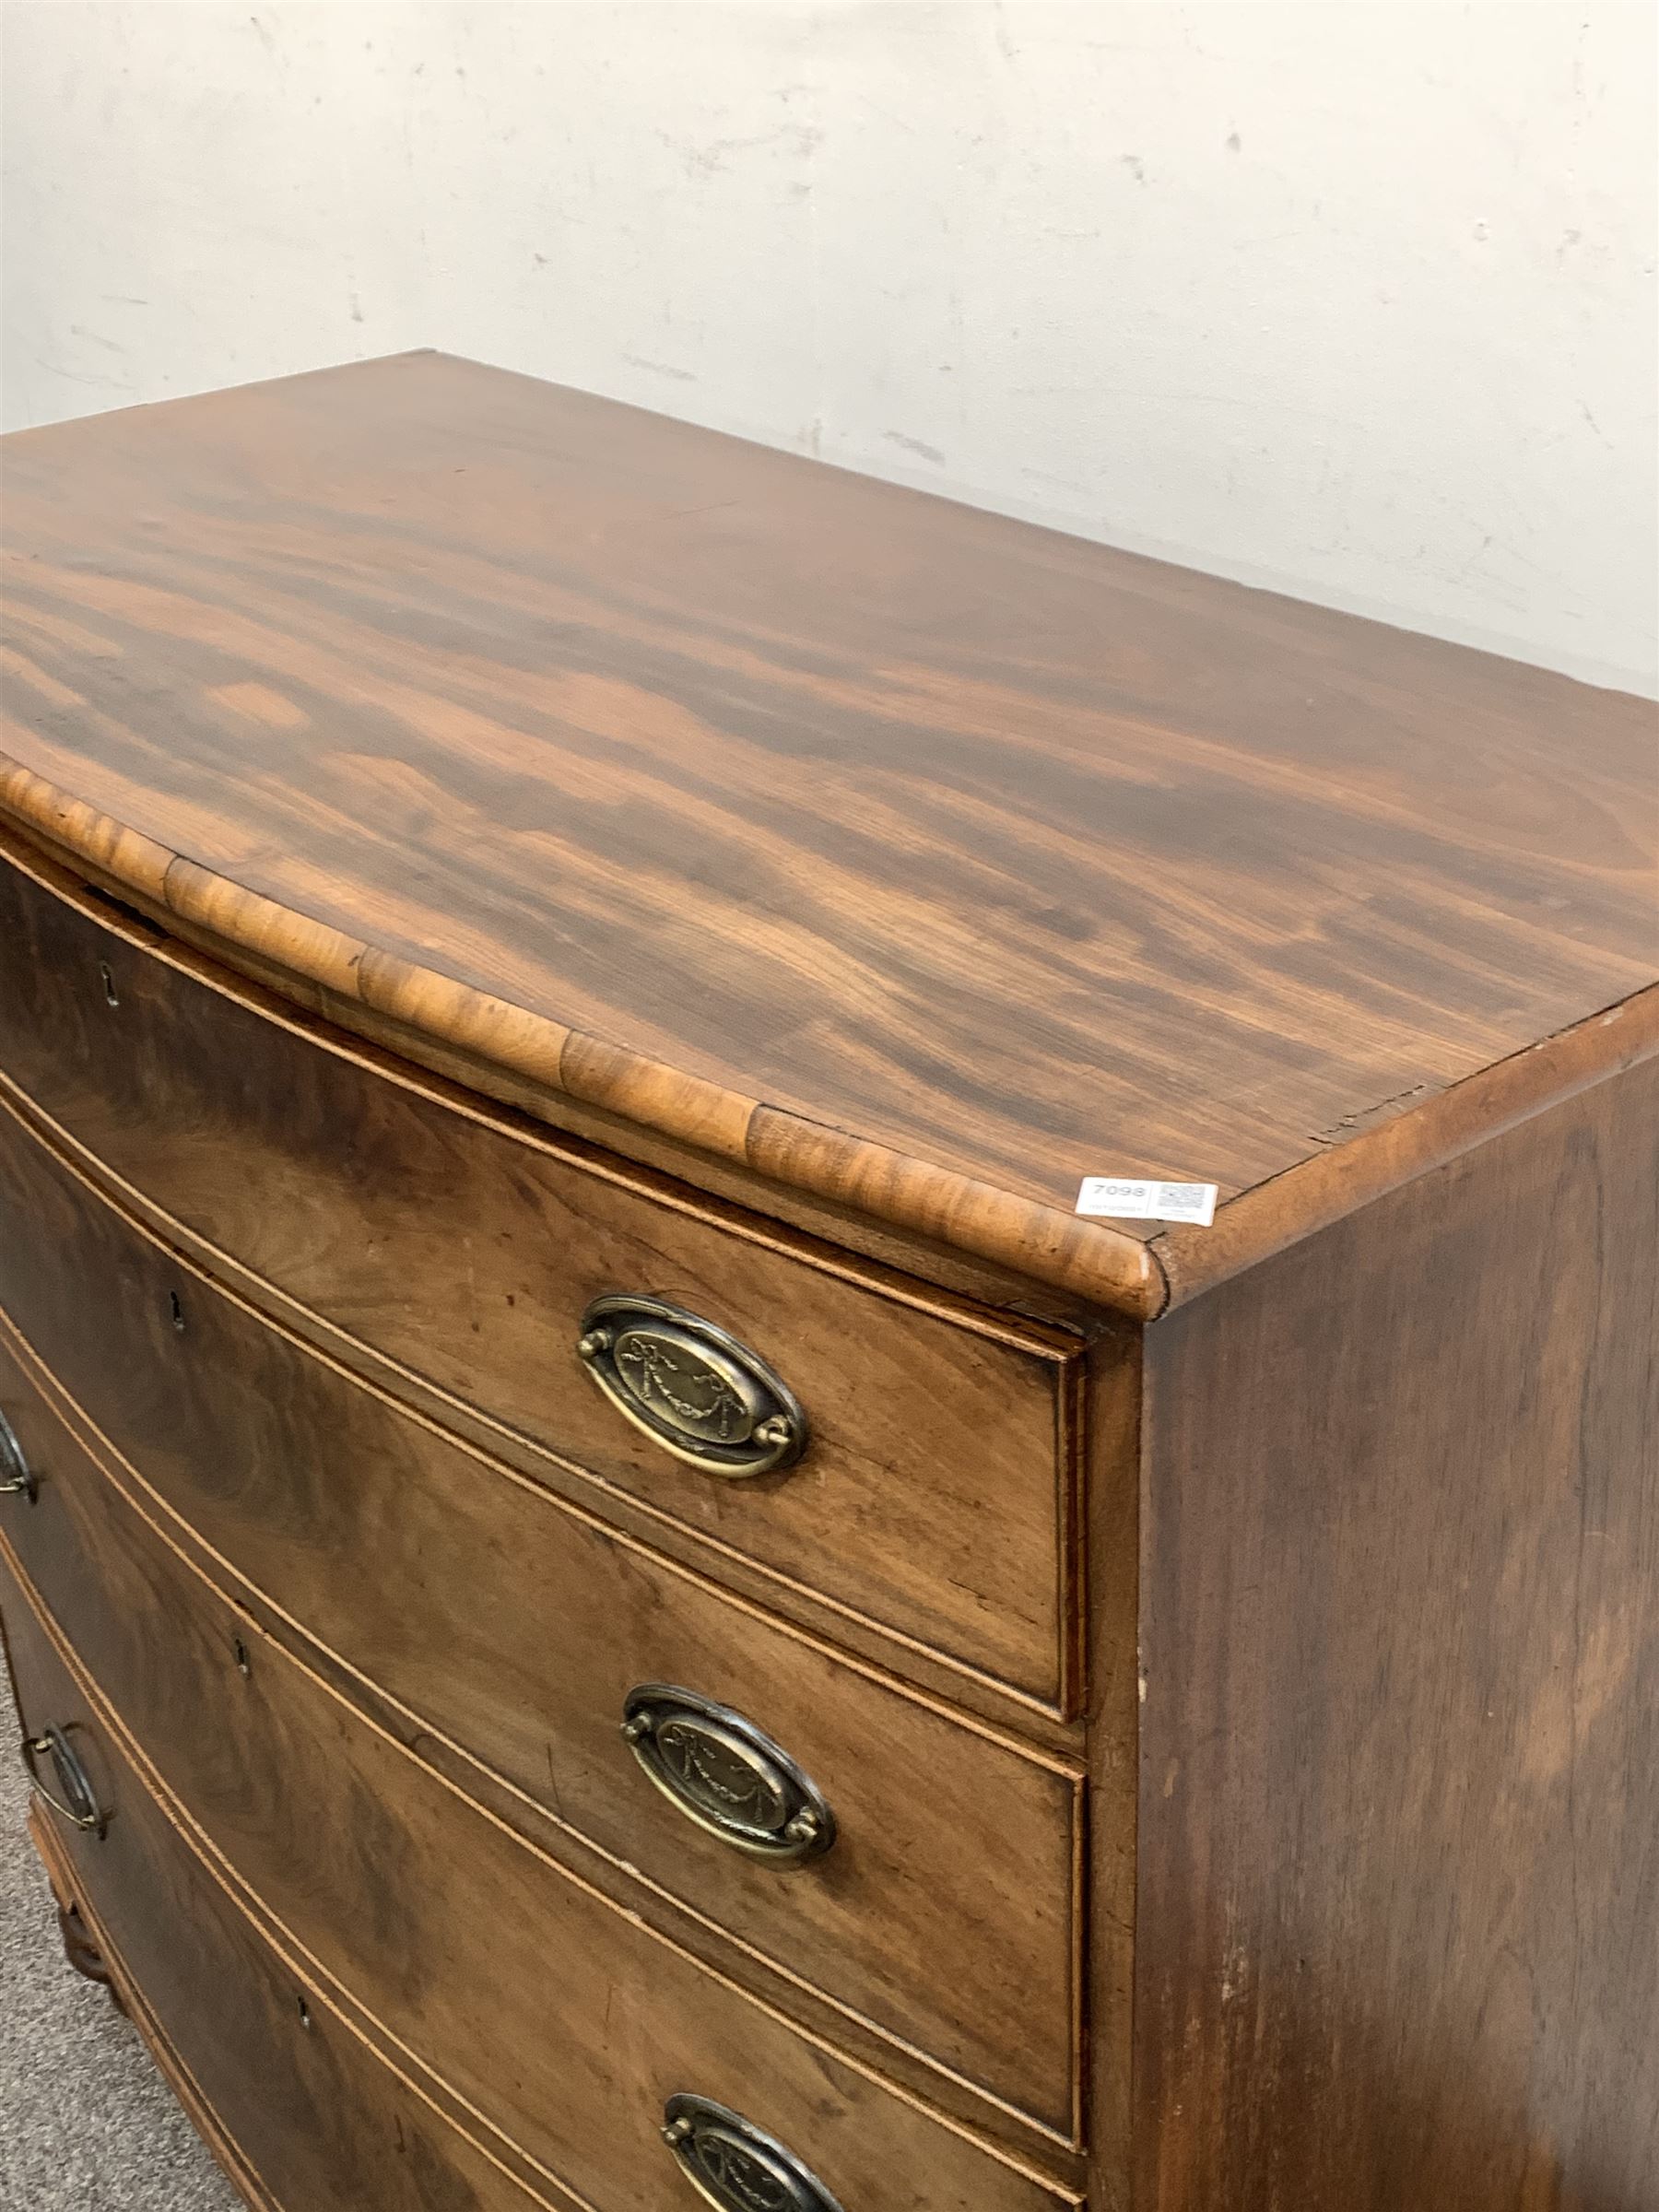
(720, 1771)
(734, 2165)
(690, 1386)
(78, 1804)
(17, 1478)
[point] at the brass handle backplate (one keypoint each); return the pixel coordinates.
(78, 1804)
(720, 1771)
(17, 1476)
(734, 2165)
(691, 1386)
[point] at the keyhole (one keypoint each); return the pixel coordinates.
(111, 993)
(305, 2018)
(242, 1662)
(176, 1310)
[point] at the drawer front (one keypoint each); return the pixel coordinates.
(933, 1497)
(322, 2125)
(556, 2015)
(519, 1628)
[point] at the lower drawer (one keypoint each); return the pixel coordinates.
(499, 1976)
(319, 2123)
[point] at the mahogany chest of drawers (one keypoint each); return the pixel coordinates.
(615, 1599)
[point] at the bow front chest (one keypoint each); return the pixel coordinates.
(625, 1586)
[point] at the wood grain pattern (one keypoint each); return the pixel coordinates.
(304, 2111)
(935, 1496)
(488, 1971)
(1112, 1527)
(515, 1627)
(73, 1907)
(54, 1855)
(822, 879)
(902, 852)
(73, 1441)
(303, 2117)
(448, 1071)
(1398, 1916)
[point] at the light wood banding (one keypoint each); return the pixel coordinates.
(431, 1925)
(910, 855)
(515, 1627)
(938, 1493)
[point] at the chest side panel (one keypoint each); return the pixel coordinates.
(1399, 1840)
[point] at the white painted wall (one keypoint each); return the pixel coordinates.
(1356, 298)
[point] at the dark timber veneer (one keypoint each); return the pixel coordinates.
(614, 1601)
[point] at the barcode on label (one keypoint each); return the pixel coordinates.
(1127, 1201)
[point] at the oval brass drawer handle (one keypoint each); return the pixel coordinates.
(690, 1386)
(78, 1804)
(17, 1476)
(737, 2166)
(720, 1771)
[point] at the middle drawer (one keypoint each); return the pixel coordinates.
(518, 1627)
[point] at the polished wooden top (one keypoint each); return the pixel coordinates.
(899, 851)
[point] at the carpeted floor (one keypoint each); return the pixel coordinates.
(87, 2125)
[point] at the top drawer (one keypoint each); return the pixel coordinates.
(934, 1495)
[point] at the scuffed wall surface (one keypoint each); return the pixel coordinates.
(1353, 300)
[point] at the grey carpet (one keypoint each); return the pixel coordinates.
(87, 2125)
